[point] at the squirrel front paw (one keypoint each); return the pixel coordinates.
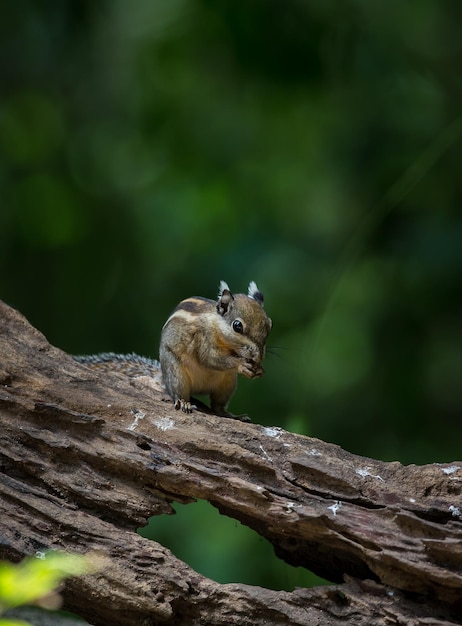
(251, 369)
(184, 405)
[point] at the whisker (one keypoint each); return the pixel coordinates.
(274, 350)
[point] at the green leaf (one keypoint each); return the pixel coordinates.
(33, 578)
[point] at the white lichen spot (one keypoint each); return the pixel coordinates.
(335, 507)
(290, 507)
(365, 471)
(40, 555)
(164, 423)
(287, 445)
(138, 416)
(273, 431)
(314, 452)
(265, 453)
(412, 500)
(454, 510)
(109, 406)
(452, 469)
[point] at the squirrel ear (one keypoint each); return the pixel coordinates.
(255, 293)
(225, 298)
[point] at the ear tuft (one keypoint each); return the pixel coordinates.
(223, 287)
(255, 293)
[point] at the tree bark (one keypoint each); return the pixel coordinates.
(86, 458)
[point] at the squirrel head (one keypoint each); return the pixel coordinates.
(247, 325)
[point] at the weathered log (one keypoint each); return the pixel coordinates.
(87, 458)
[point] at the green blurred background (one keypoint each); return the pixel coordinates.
(150, 148)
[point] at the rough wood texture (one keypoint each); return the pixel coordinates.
(87, 458)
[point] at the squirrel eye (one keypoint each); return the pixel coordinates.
(238, 327)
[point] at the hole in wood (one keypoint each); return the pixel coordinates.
(224, 550)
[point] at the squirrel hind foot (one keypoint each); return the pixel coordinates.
(243, 417)
(188, 407)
